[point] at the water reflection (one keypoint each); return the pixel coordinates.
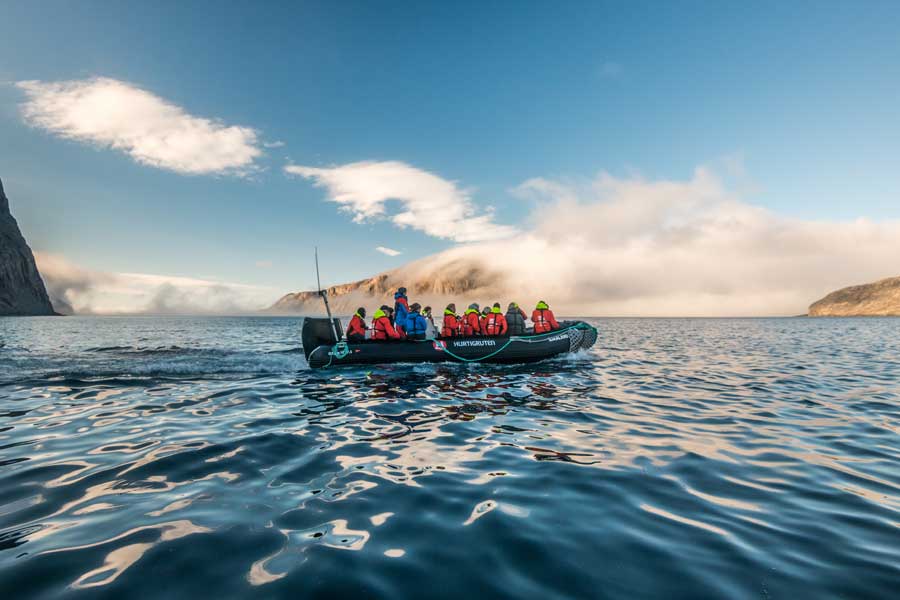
(743, 447)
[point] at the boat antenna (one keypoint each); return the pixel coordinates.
(324, 294)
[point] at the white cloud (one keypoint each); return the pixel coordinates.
(429, 203)
(275, 144)
(263, 264)
(628, 246)
(388, 251)
(154, 132)
(634, 247)
(83, 291)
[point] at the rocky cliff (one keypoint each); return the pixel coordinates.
(434, 281)
(22, 291)
(879, 299)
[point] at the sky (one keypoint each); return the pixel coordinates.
(215, 143)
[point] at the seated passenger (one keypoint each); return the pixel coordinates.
(452, 323)
(543, 318)
(472, 320)
(416, 324)
(496, 322)
(401, 307)
(515, 319)
(431, 333)
(356, 330)
(382, 329)
(484, 315)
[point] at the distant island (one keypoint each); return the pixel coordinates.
(878, 299)
(22, 291)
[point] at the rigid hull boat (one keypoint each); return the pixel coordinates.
(323, 347)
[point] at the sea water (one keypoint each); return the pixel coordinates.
(192, 457)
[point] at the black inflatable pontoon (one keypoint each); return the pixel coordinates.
(323, 350)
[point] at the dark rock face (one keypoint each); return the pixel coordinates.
(22, 290)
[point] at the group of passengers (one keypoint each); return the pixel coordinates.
(412, 322)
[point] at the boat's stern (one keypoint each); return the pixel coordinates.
(581, 336)
(317, 332)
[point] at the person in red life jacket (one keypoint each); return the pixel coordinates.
(356, 330)
(484, 315)
(401, 309)
(382, 328)
(495, 323)
(472, 320)
(452, 322)
(543, 318)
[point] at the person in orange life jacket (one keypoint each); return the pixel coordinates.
(515, 319)
(543, 318)
(356, 330)
(496, 322)
(416, 325)
(382, 328)
(484, 315)
(452, 326)
(472, 320)
(401, 307)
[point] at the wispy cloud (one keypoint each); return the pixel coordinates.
(263, 264)
(632, 246)
(84, 291)
(154, 132)
(429, 203)
(275, 144)
(388, 251)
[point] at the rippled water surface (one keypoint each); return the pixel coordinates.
(200, 457)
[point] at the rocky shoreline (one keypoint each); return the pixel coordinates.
(878, 299)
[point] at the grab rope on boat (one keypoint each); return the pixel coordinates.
(341, 349)
(529, 339)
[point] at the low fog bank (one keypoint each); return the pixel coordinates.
(75, 290)
(631, 247)
(603, 247)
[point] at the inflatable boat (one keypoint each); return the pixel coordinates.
(324, 346)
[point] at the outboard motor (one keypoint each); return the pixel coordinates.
(317, 331)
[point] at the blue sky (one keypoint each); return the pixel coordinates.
(803, 95)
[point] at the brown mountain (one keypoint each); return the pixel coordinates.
(433, 281)
(878, 299)
(22, 290)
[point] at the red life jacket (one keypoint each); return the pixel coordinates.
(495, 324)
(451, 325)
(382, 328)
(357, 327)
(544, 320)
(472, 324)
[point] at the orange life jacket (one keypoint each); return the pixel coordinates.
(451, 327)
(544, 320)
(495, 324)
(472, 324)
(357, 327)
(382, 328)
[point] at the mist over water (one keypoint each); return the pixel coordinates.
(188, 456)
